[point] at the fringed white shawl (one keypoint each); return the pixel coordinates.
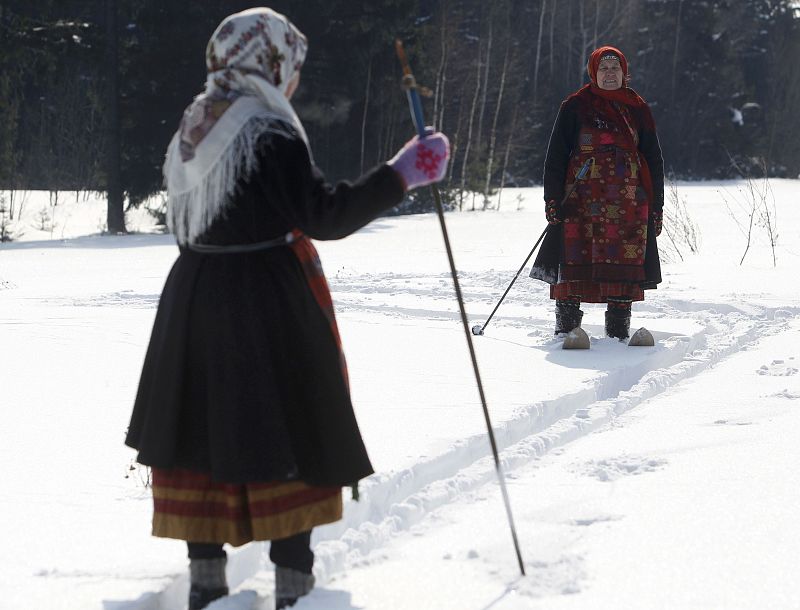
(215, 145)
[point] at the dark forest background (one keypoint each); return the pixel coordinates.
(91, 91)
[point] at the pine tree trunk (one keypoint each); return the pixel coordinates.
(538, 52)
(507, 153)
(454, 145)
(116, 213)
(438, 98)
(440, 118)
(675, 52)
(465, 160)
(566, 69)
(584, 44)
(364, 116)
(493, 136)
(485, 86)
(552, 55)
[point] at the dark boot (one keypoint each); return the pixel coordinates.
(618, 318)
(199, 597)
(208, 581)
(290, 585)
(568, 315)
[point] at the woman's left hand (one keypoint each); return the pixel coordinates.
(658, 222)
(552, 212)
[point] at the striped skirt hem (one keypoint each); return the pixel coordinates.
(596, 292)
(191, 506)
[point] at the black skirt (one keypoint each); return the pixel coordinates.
(243, 376)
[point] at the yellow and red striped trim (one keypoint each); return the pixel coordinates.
(190, 506)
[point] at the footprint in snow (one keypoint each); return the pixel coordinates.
(785, 393)
(592, 520)
(777, 368)
(564, 575)
(612, 469)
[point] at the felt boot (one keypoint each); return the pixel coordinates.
(208, 581)
(568, 315)
(290, 585)
(618, 318)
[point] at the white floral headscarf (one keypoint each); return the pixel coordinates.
(251, 59)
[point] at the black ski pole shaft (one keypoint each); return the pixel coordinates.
(410, 86)
(478, 329)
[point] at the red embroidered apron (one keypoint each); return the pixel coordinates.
(605, 229)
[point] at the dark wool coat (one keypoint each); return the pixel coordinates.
(584, 129)
(243, 377)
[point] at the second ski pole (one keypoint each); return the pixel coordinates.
(478, 329)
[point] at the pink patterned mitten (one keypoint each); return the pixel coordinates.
(422, 162)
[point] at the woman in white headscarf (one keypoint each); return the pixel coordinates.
(243, 409)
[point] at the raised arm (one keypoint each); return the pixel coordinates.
(297, 190)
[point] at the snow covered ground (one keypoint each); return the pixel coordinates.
(661, 477)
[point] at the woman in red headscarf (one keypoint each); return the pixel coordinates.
(601, 246)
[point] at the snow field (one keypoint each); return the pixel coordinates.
(430, 529)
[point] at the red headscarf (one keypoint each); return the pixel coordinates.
(594, 61)
(624, 95)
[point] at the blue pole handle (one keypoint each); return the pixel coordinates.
(410, 85)
(415, 103)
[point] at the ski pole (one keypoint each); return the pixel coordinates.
(410, 86)
(478, 329)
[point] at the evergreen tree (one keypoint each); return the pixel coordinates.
(720, 76)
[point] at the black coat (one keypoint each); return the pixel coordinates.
(563, 142)
(243, 377)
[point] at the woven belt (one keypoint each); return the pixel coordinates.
(283, 240)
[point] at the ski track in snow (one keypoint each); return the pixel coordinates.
(613, 469)
(533, 431)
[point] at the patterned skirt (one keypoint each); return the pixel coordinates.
(596, 292)
(190, 506)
